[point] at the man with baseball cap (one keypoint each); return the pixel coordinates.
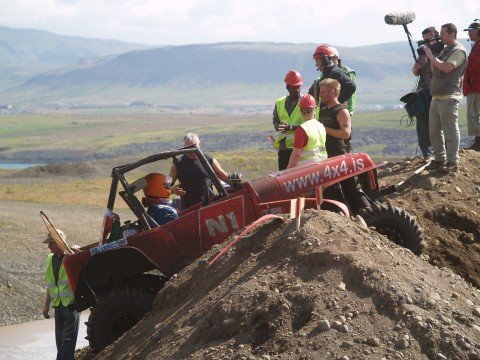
(471, 85)
(60, 296)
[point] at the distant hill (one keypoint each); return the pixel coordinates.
(224, 74)
(27, 52)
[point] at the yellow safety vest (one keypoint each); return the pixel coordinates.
(295, 118)
(60, 292)
(315, 148)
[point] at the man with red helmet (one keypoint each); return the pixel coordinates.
(287, 117)
(309, 136)
(323, 56)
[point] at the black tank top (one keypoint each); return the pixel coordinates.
(193, 179)
(328, 117)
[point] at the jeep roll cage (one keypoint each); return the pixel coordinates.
(127, 194)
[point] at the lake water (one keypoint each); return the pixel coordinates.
(35, 340)
(17, 166)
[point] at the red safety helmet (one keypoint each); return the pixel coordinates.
(156, 186)
(307, 102)
(323, 50)
(293, 78)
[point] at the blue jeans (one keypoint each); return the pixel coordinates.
(423, 132)
(66, 332)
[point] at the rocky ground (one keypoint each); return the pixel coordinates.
(333, 290)
(448, 208)
(324, 292)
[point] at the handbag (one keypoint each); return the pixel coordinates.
(415, 103)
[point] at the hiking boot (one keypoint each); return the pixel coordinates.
(435, 165)
(449, 167)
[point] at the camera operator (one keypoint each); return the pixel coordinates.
(446, 89)
(423, 69)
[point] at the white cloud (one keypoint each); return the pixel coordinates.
(341, 22)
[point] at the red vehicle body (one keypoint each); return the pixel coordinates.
(126, 263)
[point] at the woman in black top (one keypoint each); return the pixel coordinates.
(193, 178)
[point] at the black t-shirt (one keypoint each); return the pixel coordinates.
(56, 263)
(328, 117)
(193, 179)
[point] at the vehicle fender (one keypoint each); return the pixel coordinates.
(109, 270)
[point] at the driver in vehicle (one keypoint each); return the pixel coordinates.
(156, 199)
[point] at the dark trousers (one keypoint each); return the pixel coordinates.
(423, 133)
(346, 191)
(66, 332)
(284, 158)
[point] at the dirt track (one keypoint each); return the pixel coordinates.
(22, 255)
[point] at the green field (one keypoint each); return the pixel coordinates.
(238, 142)
(104, 133)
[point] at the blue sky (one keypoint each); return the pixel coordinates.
(161, 22)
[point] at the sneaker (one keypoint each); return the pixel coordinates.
(427, 159)
(435, 165)
(449, 167)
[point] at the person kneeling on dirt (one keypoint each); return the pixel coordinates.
(336, 119)
(60, 296)
(156, 199)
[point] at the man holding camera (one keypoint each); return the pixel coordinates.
(423, 69)
(446, 90)
(471, 85)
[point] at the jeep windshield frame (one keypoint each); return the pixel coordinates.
(118, 176)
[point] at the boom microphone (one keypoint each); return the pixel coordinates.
(403, 18)
(400, 18)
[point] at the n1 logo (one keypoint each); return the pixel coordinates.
(214, 225)
(219, 220)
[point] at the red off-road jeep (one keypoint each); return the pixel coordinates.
(118, 278)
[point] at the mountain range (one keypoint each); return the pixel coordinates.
(44, 69)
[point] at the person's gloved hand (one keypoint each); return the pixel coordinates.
(234, 178)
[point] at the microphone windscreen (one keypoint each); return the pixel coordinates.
(400, 18)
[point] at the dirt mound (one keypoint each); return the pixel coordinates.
(330, 290)
(64, 169)
(448, 208)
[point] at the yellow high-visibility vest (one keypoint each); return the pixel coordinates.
(295, 118)
(315, 148)
(60, 292)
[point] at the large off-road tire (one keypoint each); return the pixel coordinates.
(396, 224)
(114, 314)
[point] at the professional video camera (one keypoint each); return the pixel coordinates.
(435, 45)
